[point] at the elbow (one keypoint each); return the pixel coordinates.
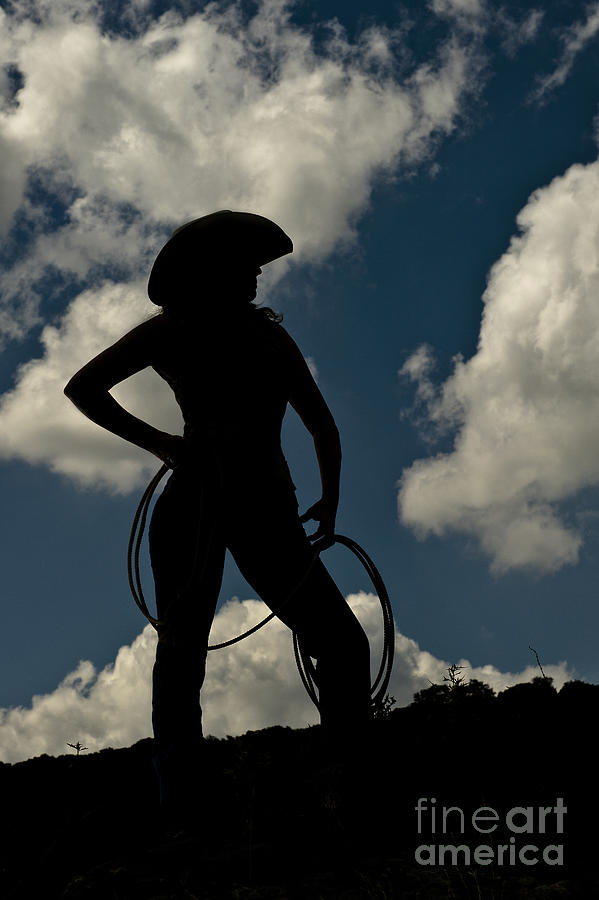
(326, 432)
(77, 389)
(330, 430)
(334, 438)
(70, 389)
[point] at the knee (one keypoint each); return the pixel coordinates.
(363, 639)
(353, 635)
(360, 645)
(347, 641)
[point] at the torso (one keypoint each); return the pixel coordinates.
(232, 384)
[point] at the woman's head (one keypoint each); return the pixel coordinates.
(218, 256)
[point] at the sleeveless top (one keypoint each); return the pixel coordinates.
(232, 381)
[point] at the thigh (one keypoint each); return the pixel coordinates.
(187, 549)
(268, 542)
(274, 555)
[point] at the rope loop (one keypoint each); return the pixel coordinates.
(304, 662)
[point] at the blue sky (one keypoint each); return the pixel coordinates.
(436, 167)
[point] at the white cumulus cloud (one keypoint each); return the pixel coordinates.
(251, 685)
(525, 407)
(41, 426)
(194, 114)
(129, 136)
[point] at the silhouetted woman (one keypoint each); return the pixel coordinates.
(233, 370)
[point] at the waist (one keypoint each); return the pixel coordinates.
(237, 462)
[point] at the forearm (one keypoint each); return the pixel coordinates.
(103, 409)
(328, 452)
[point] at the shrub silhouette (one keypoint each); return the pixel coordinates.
(277, 811)
(534, 698)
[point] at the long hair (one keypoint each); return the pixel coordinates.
(266, 312)
(270, 314)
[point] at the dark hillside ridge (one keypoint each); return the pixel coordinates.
(284, 819)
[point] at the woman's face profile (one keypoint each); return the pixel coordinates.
(213, 285)
(233, 281)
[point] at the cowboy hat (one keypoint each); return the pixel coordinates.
(218, 236)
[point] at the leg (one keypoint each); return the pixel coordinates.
(272, 551)
(187, 555)
(331, 634)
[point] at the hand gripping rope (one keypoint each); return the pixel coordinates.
(305, 666)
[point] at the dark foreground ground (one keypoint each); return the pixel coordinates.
(282, 819)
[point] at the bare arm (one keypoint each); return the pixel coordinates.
(312, 409)
(89, 390)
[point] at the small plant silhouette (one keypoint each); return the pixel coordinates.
(453, 678)
(78, 747)
(538, 660)
(382, 708)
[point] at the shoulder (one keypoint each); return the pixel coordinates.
(295, 361)
(151, 329)
(147, 336)
(284, 338)
(131, 353)
(141, 345)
